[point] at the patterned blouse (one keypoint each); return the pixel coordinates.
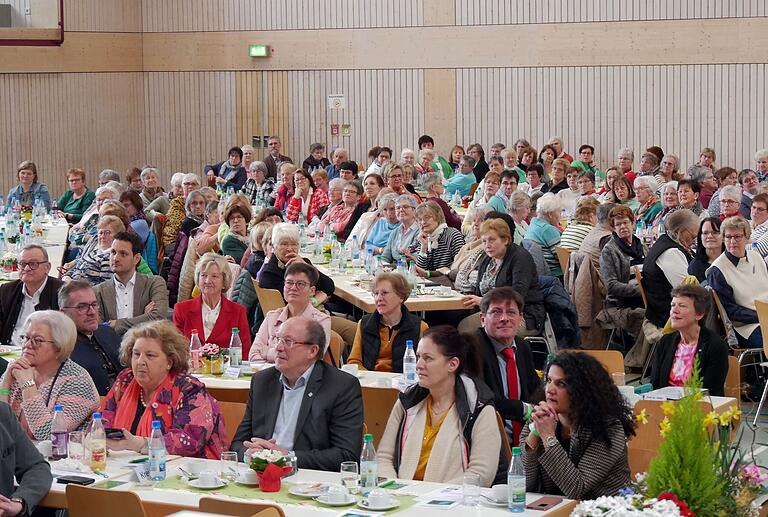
(176, 215)
(192, 422)
(92, 264)
(73, 389)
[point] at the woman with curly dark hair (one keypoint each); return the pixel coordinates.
(577, 442)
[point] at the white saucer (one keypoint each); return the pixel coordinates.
(303, 490)
(242, 481)
(489, 501)
(363, 503)
(323, 499)
(196, 484)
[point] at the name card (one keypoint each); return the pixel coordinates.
(233, 372)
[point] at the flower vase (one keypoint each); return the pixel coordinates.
(271, 479)
(206, 365)
(217, 365)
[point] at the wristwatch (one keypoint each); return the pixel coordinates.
(22, 503)
(550, 441)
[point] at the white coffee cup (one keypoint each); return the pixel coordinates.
(337, 494)
(351, 369)
(208, 478)
(194, 467)
(378, 498)
(500, 492)
(444, 290)
(248, 476)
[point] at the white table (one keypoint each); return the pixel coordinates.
(55, 244)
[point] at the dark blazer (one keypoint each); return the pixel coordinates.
(329, 428)
(11, 300)
(713, 361)
(272, 276)
(148, 288)
(491, 375)
(188, 315)
(100, 356)
(272, 165)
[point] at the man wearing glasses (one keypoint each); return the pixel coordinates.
(97, 348)
(34, 291)
(303, 404)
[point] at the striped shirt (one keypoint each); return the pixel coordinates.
(574, 235)
(448, 245)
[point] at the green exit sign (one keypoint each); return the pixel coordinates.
(258, 50)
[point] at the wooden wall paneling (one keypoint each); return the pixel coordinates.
(102, 15)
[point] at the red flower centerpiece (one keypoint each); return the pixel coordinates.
(270, 466)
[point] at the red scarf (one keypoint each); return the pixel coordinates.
(159, 408)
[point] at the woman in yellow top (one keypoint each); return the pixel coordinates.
(445, 425)
(381, 337)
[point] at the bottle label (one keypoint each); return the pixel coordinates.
(195, 359)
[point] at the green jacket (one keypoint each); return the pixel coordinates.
(68, 204)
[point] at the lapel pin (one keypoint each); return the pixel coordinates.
(310, 394)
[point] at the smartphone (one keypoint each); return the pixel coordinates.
(75, 480)
(545, 503)
(114, 434)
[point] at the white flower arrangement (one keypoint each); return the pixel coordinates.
(262, 459)
(268, 455)
(620, 506)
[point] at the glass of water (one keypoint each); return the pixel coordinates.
(76, 446)
(228, 467)
(471, 489)
(350, 476)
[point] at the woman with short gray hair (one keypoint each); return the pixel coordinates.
(543, 230)
(436, 243)
(433, 184)
(374, 227)
(44, 377)
(730, 201)
(404, 235)
(520, 208)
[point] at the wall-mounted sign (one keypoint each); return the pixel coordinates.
(337, 101)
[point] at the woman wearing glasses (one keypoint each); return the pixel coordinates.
(93, 263)
(44, 377)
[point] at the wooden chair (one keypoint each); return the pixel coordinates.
(739, 352)
(733, 379)
(83, 501)
(269, 512)
(762, 315)
(222, 507)
(269, 299)
(472, 189)
(158, 225)
(564, 256)
(377, 405)
(639, 278)
(504, 438)
(232, 412)
(334, 350)
(612, 360)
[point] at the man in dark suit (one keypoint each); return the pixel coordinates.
(97, 348)
(303, 404)
(34, 291)
(507, 364)
(130, 298)
(274, 159)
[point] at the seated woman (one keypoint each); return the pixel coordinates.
(402, 238)
(195, 208)
(624, 194)
(675, 353)
(666, 264)
(367, 211)
(623, 303)
(433, 184)
(153, 197)
(44, 376)
(584, 221)
(645, 190)
(534, 176)
(258, 251)
(569, 196)
(394, 178)
(134, 209)
(725, 176)
(520, 205)
(306, 199)
(444, 425)
(709, 246)
(93, 263)
(235, 243)
(437, 243)
(382, 227)
(337, 217)
(491, 185)
(579, 447)
(463, 271)
(543, 230)
(739, 276)
(29, 189)
(688, 192)
(381, 336)
(730, 201)
(605, 194)
(75, 201)
(669, 203)
(211, 313)
(156, 386)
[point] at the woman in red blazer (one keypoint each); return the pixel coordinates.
(211, 313)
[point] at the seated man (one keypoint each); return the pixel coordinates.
(34, 291)
(97, 348)
(507, 364)
(130, 298)
(303, 404)
(298, 290)
(22, 461)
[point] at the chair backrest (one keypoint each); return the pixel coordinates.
(472, 189)
(377, 405)
(334, 350)
(83, 501)
(272, 511)
(563, 255)
(222, 507)
(762, 315)
(233, 413)
(612, 360)
(158, 225)
(504, 438)
(733, 379)
(639, 278)
(269, 299)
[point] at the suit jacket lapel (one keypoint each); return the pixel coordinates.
(273, 394)
(492, 360)
(109, 298)
(223, 319)
(310, 393)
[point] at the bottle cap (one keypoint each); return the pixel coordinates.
(409, 343)
(97, 415)
(368, 437)
(235, 330)
(517, 451)
(156, 424)
(58, 407)
(194, 331)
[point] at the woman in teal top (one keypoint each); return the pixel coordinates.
(75, 201)
(650, 206)
(625, 194)
(543, 230)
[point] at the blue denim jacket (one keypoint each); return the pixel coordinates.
(28, 198)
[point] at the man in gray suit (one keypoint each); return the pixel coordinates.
(131, 298)
(303, 404)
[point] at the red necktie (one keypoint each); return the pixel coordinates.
(509, 356)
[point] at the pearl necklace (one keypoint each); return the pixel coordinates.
(141, 397)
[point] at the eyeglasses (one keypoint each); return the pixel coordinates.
(732, 237)
(288, 342)
(728, 202)
(32, 264)
(758, 209)
(498, 313)
(83, 307)
(36, 341)
(290, 284)
(406, 207)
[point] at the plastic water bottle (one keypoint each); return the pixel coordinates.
(662, 229)
(195, 353)
(413, 275)
(2, 205)
(156, 452)
(302, 219)
(409, 363)
(302, 236)
(355, 252)
(97, 443)
(342, 258)
(235, 348)
(563, 218)
(379, 264)
(59, 434)
(369, 260)
(516, 482)
(402, 269)
(369, 467)
(456, 199)
(54, 211)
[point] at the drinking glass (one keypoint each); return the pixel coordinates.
(75, 446)
(470, 489)
(350, 476)
(228, 467)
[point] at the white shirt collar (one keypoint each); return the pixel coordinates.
(129, 283)
(36, 294)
